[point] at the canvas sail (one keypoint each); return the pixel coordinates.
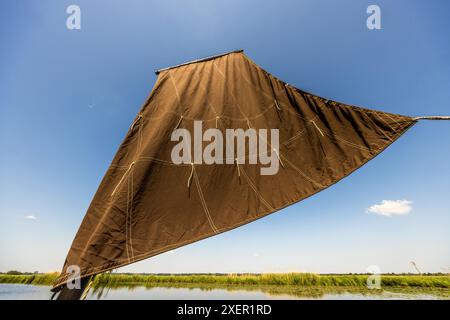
(146, 204)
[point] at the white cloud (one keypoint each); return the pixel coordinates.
(391, 207)
(256, 254)
(30, 217)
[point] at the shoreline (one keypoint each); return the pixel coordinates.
(273, 279)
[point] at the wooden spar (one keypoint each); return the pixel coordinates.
(432, 118)
(198, 60)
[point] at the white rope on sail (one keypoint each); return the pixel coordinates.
(237, 165)
(179, 122)
(190, 176)
(317, 127)
(136, 121)
(123, 177)
(278, 156)
(276, 105)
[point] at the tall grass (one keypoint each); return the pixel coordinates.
(293, 279)
(277, 279)
(36, 279)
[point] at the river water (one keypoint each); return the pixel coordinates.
(31, 292)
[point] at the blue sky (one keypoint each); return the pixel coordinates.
(67, 98)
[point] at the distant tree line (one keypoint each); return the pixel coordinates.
(17, 273)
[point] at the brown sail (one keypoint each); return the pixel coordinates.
(146, 204)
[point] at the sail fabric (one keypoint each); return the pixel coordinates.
(146, 204)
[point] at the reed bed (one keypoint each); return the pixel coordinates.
(44, 279)
(277, 279)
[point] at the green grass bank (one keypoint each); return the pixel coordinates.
(278, 279)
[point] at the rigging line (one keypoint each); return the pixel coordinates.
(296, 136)
(377, 114)
(329, 133)
(346, 106)
(276, 105)
(225, 116)
(278, 109)
(123, 177)
(220, 160)
(213, 118)
(432, 118)
(391, 118)
(299, 133)
(295, 168)
(317, 127)
(334, 136)
(237, 165)
(190, 176)
(274, 92)
(278, 156)
(351, 144)
(179, 122)
(384, 120)
(136, 121)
